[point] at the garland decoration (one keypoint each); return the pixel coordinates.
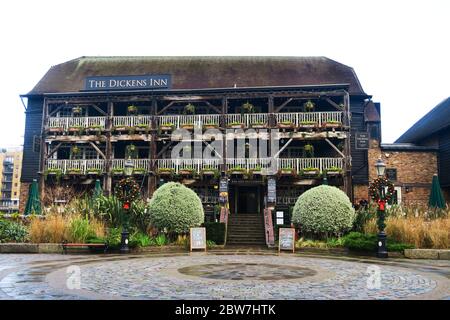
(374, 189)
(127, 190)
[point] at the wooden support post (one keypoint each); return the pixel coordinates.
(224, 139)
(43, 150)
(151, 183)
(107, 183)
(271, 116)
(348, 183)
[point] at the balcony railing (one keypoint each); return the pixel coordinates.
(132, 121)
(178, 121)
(75, 166)
(65, 123)
(196, 164)
(299, 118)
(119, 164)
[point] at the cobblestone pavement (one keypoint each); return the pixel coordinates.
(245, 276)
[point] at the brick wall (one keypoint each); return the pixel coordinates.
(415, 171)
(23, 196)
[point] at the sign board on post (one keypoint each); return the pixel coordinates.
(198, 238)
(286, 239)
(361, 140)
(271, 190)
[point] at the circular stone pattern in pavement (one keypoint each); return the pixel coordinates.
(249, 277)
(247, 271)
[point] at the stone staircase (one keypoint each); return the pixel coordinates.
(246, 229)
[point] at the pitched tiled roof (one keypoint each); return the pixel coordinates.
(203, 72)
(434, 121)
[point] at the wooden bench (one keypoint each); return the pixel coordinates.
(66, 245)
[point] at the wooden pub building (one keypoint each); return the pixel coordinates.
(87, 116)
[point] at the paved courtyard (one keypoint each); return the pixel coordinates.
(219, 276)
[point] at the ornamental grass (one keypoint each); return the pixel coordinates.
(419, 231)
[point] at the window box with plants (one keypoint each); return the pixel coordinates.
(142, 128)
(95, 129)
(286, 124)
(74, 171)
(54, 172)
(117, 171)
(210, 125)
(287, 171)
(308, 124)
(211, 172)
(187, 126)
(168, 126)
(186, 171)
(310, 172)
(237, 170)
(76, 130)
(165, 171)
(56, 129)
(236, 125)
(332, 124)
(120, 129)
(256, 170)
(259, 125)
(333, 171)
(94, 172)
(139, 171)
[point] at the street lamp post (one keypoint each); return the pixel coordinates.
(381, 243)
(124, 248)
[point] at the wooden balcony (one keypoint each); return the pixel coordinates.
(205, 121)
(75, 167)
(140, 166)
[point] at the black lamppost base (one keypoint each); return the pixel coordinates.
(381, 245)
(124, 242)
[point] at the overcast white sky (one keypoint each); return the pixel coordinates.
(399, 49)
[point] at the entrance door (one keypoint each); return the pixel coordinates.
(247, 200)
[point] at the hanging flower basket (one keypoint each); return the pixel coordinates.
(77, 110)
(309, 106)
(189, 109)
(132, 109)
(248, 107)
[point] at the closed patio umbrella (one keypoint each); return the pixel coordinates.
(33, 205)
(436, 197)
(97, 189)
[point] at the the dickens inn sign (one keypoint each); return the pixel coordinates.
(161, 81)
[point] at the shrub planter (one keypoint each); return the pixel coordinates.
(76, 130)
(121, 129)
(139, 171)
(334, 172)
(166, 127)
(142, 129)
(308, 126)
(236, 126)
(94, 172)
(74, 171)
(117, 172)
(186, 172)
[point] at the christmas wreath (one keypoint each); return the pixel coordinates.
(374, 189)
(127, 190)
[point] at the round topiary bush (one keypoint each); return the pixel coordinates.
(176, 208)
(325, 210)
